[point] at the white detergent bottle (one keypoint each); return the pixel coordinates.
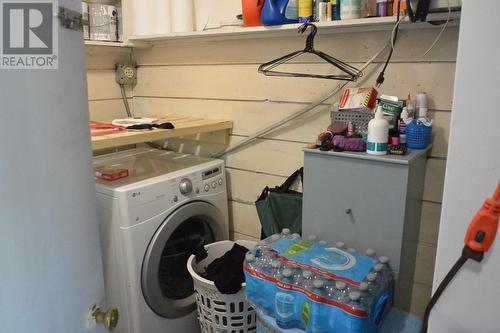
(378, 134)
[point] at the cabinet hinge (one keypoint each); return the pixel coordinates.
(70, 19)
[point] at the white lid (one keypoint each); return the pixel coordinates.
(354, 295)
(285, 231)
(340, 245)
(318, 283)
(287, 272)
(384, 260)
(307, 274)
(312, 237)
(370, 252)
(351, 249)
(275, 237)
(378, 267)
(363, 286)
(371, 277)
(340, 285)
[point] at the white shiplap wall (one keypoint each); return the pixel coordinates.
(104, 95)
(219, 79)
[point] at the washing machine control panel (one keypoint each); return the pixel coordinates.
(213, 179)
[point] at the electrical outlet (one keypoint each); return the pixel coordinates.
(126, 74)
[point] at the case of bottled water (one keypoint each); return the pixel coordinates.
(318, 287)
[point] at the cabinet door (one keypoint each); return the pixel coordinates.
(358, 202)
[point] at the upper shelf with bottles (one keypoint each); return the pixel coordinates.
(157, 24)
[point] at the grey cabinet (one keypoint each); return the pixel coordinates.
(367, 202)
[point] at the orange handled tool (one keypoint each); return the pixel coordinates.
(483, 228)
(478, 240)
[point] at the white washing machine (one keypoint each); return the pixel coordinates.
(150, 223)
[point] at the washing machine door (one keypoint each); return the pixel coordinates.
(166, 283)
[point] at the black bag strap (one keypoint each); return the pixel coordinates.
(291, 180)
(264, 193)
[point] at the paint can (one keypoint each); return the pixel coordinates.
(103, 22)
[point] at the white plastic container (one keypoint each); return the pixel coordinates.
(219, 312)
(378, 134)
(182, 15)
(350, 9)
(103, 22)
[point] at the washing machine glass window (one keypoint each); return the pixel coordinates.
(166, 284)
(175, 281)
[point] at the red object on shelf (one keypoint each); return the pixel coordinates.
(251, 12)
(110, 174)
(483, 228)
(98, 128)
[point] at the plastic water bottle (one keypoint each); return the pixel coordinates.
(251, 261)
(373, 285)
(285, 302)
(307, 279)
(355, 301)
(318, 311)
(370, 253)
(312, 238)
(366, 298)
(272, 239)
(341, 292)
(340, 245)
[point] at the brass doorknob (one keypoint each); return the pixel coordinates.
(108, 319)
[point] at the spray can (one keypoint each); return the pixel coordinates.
(305, 11)
(378, 130)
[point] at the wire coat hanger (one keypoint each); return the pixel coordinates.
(350, 73)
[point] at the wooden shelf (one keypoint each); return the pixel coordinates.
(357, 25)
(183, 127)
(107, 44)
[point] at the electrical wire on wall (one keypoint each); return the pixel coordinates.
(125, 101)
(394, 36)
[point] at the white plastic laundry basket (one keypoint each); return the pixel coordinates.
(220, 313)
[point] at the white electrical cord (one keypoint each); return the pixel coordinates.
(438, 37)
(393, 33)
(442, 30)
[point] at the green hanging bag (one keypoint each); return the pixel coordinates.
(281, 207)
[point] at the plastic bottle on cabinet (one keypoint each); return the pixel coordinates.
(405, 119)
(378, 131)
